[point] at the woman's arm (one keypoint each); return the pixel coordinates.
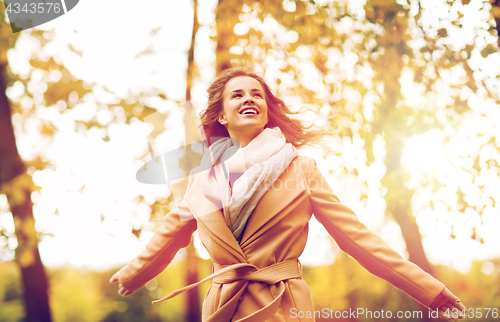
(354, 238)
(174, 234)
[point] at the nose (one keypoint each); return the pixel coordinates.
(248, 99)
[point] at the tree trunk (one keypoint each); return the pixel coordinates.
(495, 12)
(411, 234)
(398, 200)
(223, 17)
(16, 184)
(392, 122)
(11, 164)
(193, 306)
(36, 299)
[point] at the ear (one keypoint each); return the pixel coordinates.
(222, 120)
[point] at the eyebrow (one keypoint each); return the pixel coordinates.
(252, 90)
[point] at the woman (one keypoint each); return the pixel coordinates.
(252, 208)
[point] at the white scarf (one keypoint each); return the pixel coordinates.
(259, 163)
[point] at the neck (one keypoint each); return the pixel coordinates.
(245, 137)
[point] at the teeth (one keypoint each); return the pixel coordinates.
(249, 111)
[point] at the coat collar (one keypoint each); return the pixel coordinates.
(284, 191)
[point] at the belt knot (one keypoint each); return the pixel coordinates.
(271, 274)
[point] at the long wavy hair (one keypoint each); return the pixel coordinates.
(293, 130)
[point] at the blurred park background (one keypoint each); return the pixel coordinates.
(413, 86)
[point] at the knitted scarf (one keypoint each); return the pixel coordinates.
(238, 178)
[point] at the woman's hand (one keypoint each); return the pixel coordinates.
(121, 290)
(448, 305)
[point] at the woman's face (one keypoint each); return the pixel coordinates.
(244, 108)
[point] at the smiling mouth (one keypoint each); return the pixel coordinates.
(249, 111)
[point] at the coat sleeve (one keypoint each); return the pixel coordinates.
(366, 247)
(174, 234)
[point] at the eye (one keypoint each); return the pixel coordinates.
(258, 95)
(236, 95)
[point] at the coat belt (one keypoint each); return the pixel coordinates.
(272, 274)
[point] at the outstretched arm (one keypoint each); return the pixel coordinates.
(174, 234)
(354, 238)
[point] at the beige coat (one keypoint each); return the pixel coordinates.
(248, 286)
